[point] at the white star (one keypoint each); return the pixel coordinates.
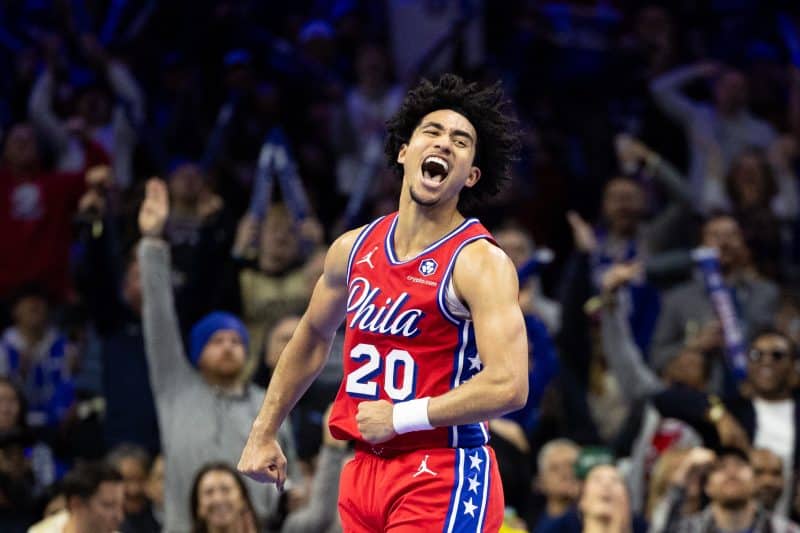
(475, 461)
(469, 508)
(474, 362)
(473, 483)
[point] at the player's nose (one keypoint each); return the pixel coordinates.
(443, 144)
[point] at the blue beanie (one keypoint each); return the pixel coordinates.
(205, 328)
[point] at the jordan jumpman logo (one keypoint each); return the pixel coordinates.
(423, 468)
(368, 258)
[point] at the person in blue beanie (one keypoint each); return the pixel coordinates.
(204, 413)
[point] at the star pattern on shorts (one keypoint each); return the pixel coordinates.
(469, 507)
(473, 483)
(475, 461)
(474, 362)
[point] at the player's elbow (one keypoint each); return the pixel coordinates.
(512, 393)
(518, 395)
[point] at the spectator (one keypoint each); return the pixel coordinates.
(520, 248)
(273, 284)
(111, 125)
(220, 501)
(95, 495)
(657, 432)
(36, 207)
(200, 233)
(728, 122)
(660, 480)
(17, 483)
(769, 477)
(763, 199)
(766, 406)
(367, 106)
(37, 467)
(624, 234)
(731, 488)
(133, 464)
(603, 506)
(154, 488)
(218, 345)
(32, 353)
(112, 292)
(556, 481)
(687, 317)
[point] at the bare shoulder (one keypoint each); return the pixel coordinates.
(338, 255)
(483, 270)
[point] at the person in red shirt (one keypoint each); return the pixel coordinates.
(36, 208)
(435, 341)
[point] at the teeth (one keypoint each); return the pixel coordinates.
(439, 160)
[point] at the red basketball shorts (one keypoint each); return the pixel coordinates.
(442, 489)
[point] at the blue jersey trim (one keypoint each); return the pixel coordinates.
(455, 496)
(467, 509)
(486, 482)
(389, 242)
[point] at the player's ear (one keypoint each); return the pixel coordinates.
(474, 177)
(401, 155)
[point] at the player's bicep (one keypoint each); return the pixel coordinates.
(326, 308)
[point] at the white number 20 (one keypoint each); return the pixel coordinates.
(399, 364)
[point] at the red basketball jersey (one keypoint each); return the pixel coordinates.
(407, 336)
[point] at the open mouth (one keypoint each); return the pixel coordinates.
(435, 169)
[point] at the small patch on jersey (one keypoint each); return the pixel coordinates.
(427, 267)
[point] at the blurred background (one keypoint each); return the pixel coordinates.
(653, 218)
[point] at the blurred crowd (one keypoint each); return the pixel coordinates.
(653, 220)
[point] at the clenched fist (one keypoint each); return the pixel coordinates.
(374, 421)
(263, 461)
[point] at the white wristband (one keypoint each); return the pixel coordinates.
(411, 416)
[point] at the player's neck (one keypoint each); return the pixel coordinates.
(418, 226)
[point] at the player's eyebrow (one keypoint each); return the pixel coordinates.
(459, 133)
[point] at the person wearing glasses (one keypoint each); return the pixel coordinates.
(765, 405)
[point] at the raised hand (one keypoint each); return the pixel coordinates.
(582, 233)
(246, 235)
(695, 461)
(155, 208)
(731, 433)
(619, 274)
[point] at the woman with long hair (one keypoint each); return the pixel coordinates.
(220, 502)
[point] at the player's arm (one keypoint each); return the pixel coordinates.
(299, 364)
(486, 281)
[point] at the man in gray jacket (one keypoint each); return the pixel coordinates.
(204, 413)
(687, 318)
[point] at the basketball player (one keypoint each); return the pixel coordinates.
(435, 342)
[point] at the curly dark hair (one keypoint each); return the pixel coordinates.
(488, 111)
